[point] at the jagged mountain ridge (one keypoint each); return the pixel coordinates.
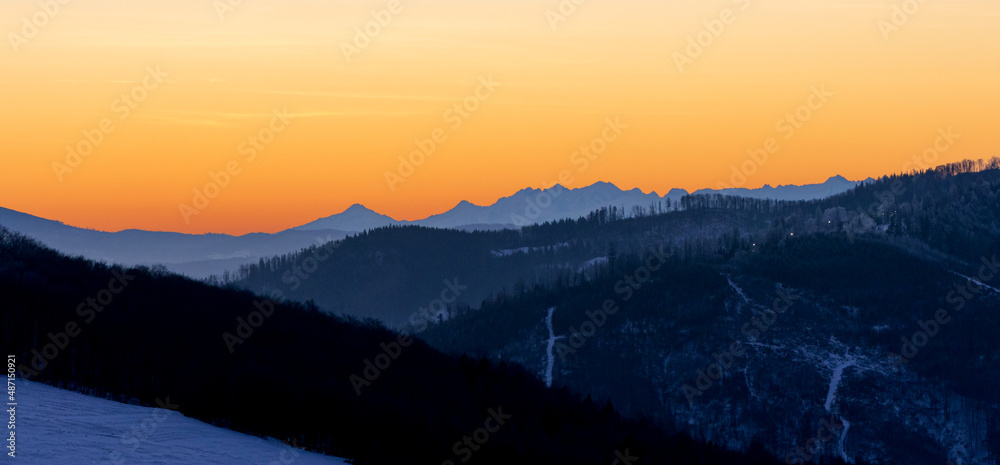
(203, 255)
(536, 206)
(869, 265)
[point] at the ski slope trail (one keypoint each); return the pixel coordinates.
(831, 396)
(551, 345)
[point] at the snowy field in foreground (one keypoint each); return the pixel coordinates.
(62, 427)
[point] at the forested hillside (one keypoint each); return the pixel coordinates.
(285, 370)
(390, 273)
(877, 310)
(864, 278)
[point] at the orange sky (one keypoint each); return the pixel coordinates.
(224, 72)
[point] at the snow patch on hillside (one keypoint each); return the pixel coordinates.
(548, 351)
(843, 438)
(978, 282)
(838, 373)
(831, 397)
(524, 250)
(593, 262)
(738, 290)
(60, 427)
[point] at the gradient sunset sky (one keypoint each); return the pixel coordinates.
(228, 71)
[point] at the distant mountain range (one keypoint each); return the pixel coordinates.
(535, 206)
(831, 187)
(201, 255)
(356, 218)
(195, 255)
(742, 321)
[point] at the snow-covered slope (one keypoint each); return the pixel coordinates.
(55, 426)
